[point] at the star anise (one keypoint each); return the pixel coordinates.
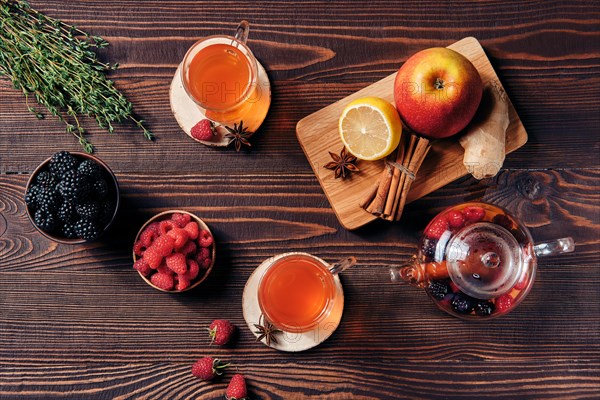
(266, 330)
(238, 135)
(343, 164)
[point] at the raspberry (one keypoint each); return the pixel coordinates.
(189, 248)
(154, 228)
(182, 282)
(177, 264)
(166, 226)
(179, 235)
(204, 130)
(164, 245)
(221, 331)
(207, 368)
(141, 265)
(164, 269)
(192, 230)
(205, 239)
(147, 237)
(203, 254)
(474, 213)
(153, 257)
(437, 228)
(206, 263)
(456, 219)
(504, 303)
(193, 270)
(139, 248)
(181, 219)
(162, 281)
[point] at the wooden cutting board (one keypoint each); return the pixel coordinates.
(318, 134)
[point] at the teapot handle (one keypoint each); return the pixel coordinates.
(554, 247)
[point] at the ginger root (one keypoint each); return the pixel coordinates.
(485, 138)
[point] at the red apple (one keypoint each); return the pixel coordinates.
(437, 92)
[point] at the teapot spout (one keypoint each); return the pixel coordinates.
(411, 273)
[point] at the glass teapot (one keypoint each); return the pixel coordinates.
(476, 261)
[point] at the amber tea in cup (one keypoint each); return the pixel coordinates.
(298, 291)
(219, 74)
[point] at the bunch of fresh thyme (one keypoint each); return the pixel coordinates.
(54, 62)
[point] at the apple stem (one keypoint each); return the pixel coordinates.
(439, 83)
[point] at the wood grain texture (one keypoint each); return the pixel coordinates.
(76, 322)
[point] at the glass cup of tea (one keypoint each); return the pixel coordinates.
(219, 73)
(298, 291)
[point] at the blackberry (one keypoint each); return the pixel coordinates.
(31, 197)
(45, 220)
(428, 247)
(107, 210)
(484, 308)
(48, 198)
(438, 289)
(462, 304)
(46, 179)
(87, 229)
(89, 210)
(74, 187)
(62, 162)
(90, 169)
(68, 231)
(100, 189)
(67, 213)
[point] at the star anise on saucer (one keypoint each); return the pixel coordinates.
(238, 135)
(266, 330)
(343, 164)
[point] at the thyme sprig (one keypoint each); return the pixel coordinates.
(55, 63)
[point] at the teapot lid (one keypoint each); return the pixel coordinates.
(484, 260)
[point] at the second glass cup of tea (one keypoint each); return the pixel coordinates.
(298, 291)
(220, 75)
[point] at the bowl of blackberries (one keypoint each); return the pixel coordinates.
(72, 197)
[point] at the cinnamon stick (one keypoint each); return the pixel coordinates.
(417, 158)
(405, 163)
(387, 199)
(389, 204)
(383, 190)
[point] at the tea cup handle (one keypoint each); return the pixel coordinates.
(342, 265)
(241, 33)
(554, 247)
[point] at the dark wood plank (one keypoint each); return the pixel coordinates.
(336, 380)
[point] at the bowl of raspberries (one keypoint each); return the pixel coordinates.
(72, 198)
(174, 251)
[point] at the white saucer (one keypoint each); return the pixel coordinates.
(187, 113)
(288, 341)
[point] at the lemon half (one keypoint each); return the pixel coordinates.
(370, 128)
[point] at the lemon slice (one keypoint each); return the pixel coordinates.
(370, 128)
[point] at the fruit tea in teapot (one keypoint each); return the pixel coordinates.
(476, 260)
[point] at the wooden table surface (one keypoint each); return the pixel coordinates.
(77, 322)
